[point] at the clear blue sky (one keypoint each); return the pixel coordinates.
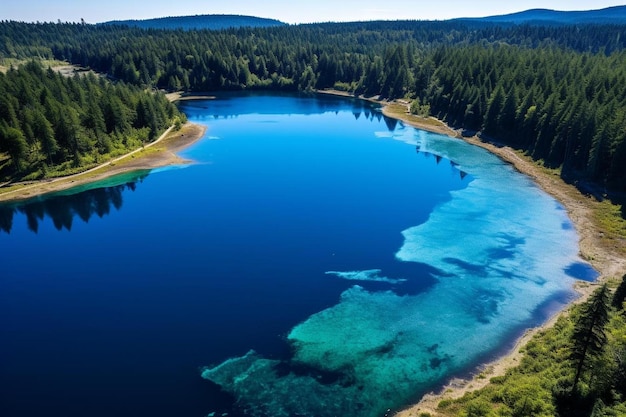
(289, 11)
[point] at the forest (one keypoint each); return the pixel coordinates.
(559, 93)
(53, 125)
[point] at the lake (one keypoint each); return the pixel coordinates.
(318, 258)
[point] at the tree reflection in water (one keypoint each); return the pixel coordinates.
(63, 207)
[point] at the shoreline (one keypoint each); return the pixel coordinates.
(160, 153)
(605, 255)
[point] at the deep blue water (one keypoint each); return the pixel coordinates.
(113, 298)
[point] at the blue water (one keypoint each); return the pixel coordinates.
(327, 239)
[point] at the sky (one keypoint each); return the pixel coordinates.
(288, 11)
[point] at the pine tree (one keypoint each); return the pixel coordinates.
(45, 134)
(506, 118)
(494, 109)
(620, 295)
(589, 335)
(12, 141)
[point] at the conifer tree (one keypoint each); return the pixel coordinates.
(620, 295)
(494, 109)
(589, 335)
(12, 141)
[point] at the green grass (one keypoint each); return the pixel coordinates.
(399, 111)
(6, 63)
(609, 218)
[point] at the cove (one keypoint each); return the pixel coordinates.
(318, 259)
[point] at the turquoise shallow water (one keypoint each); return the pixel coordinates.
(500, 250)
(318, 259)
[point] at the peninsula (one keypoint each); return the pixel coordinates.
(161, 152)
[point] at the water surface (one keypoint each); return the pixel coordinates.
(319, 258)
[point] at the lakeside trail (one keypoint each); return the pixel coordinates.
(160, 153)
(605, 253)
(156, 154)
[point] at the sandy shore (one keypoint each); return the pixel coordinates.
(159, 153)
(606, 254)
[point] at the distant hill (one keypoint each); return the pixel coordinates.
(209, 21)
(610, 15)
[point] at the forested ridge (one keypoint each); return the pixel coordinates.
(608, 15)
(213, 22)
(558, 93)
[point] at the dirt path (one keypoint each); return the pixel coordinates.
(159, 153)
(156, 154)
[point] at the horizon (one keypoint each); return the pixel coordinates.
(320, 11)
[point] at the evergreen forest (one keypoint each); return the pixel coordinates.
(48, 121)
(559, 93)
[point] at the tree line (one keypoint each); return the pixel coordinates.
(51, 124)
(557, 93)
(565, 108)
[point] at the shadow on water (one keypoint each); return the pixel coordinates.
(438, 159)
(391, 123)
(582, 271)
(63, 207)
